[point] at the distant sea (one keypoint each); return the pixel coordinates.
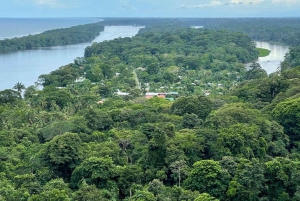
(17, 27)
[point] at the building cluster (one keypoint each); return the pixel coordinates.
(165, 95)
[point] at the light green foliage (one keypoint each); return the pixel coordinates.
(97, 119)
(263, 52)
(54, 99)
(291, 58)
(205, 197)
(143, 196)
(261, 90)
(9, 193)
(186, 141)
(281, 174)
(264, 136)
(54, 190)
(190, 121)
(199, 105)
(91, 193)
(247, 182)
(97, 171)
(53, 195)
(287, 113)
(128, 176)
(63, 153)
(159, 104)
(9, 96)
(208, 176)
(256, 72)
(56, 128)
(240, 140)
(83, 142)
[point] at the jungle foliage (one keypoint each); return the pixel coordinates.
(230, 133)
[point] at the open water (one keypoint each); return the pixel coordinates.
(272, 62)
(17, 27)
(27, 66)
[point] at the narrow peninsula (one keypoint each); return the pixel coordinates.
(55, 37)
(263, 52)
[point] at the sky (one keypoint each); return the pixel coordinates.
(149, 8)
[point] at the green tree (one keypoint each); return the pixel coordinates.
(143, 196)
(19, 87)
(190, 121)
(205, 197)
(282, 176)
(256, 72)
(248, 181)
(207, 176)
(287, 114)
(54, 190)
(152, 69)
(56, 128)
(91, 193)
(9, 96)
(128, 176)
(179, 168)
(97, 119)
(241, 140)
(199, 105)
(63, 153)
(101, 172)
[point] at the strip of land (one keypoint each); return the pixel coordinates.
(55, 37)
(263, 52)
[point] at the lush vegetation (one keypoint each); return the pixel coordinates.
(280, 30)
(283, 30)
(231, 134)
(64, 36)
(263, 52)
(210, 60)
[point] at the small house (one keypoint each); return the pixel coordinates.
(159, 95)
(120, 93)
(80, 79)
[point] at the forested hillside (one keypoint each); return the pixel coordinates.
(64, 36)
(225, 132)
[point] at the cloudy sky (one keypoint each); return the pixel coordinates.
(149, 8)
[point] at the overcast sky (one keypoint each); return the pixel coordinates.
(149, 8)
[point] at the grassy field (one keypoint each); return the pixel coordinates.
(263, 52)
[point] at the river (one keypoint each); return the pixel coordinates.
(27, 66)
(272, 62)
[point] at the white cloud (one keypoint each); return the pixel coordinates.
(125, 5)
(47, 2)
(211, 4)
(246, 1)
(285, 2)
(57, 3)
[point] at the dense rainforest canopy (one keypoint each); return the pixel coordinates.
(230, 133)
(280, 30)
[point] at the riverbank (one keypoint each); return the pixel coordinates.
(55, 37)
(271, 62)
(27, 66)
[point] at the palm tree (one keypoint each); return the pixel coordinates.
(19, 87)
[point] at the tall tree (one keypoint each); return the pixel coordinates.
(19, 87)
(207, 176)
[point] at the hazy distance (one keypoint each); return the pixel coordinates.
(149, 8)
